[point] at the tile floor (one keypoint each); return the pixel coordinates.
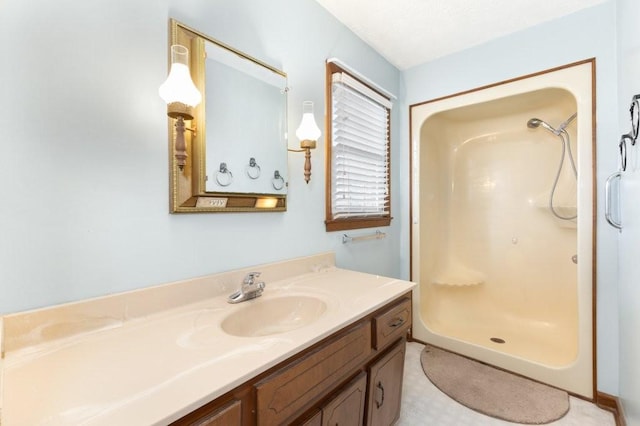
(424, 404)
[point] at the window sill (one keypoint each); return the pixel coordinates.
(356, 223)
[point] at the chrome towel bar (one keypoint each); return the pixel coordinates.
(378, 236)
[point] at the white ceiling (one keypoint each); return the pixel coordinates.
(411, 32)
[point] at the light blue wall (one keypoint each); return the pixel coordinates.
(84, 169)
(629, 85)
(589, 33)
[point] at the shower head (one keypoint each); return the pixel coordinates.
(536, 122)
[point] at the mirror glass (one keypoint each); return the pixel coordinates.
(246, 106)
(237, 142)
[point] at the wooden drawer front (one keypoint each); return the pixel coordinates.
(229, 415)
(347, 408)
(392, 324)
(285, 393)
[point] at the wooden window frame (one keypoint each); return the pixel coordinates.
(344, 224)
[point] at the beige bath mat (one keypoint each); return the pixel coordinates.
(491, 391)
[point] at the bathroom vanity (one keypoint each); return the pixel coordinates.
(321, 345)
(353, 375)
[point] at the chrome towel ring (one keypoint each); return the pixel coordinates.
(253, 169)
(224, 177)
(277, 181)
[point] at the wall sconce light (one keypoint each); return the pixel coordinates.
(308, 133)
(181, 96)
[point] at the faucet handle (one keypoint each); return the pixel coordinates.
(250, 277)
(249, 289)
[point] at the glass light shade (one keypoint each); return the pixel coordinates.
(308, 129)
(179, 87)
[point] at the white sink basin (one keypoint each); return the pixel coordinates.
(264, 317)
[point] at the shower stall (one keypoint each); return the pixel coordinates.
(502, 225)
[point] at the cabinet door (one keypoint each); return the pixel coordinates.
(347, 408)
(385, 387)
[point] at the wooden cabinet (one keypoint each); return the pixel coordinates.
(391, 323)
(351, 377)
(385, 387)
(284, 395)
(314, 420)
(228, 414)
(347, 408)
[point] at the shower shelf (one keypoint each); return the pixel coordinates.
(459, 276)
(564, 209)
(563, 205)
(457, 283)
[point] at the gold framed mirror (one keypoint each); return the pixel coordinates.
(236, 144)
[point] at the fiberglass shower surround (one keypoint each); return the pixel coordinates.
(502, 208)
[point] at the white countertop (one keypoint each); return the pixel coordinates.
(155, 369)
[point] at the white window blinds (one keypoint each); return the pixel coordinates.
(359, 148)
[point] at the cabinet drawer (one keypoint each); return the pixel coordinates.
(229, 414)
(391, 324)
(287, 392)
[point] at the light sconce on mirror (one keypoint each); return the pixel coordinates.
(181, 96)
(308, 134)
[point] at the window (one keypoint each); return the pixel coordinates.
(358, 186)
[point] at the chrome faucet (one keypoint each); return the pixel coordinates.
(249, 289)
